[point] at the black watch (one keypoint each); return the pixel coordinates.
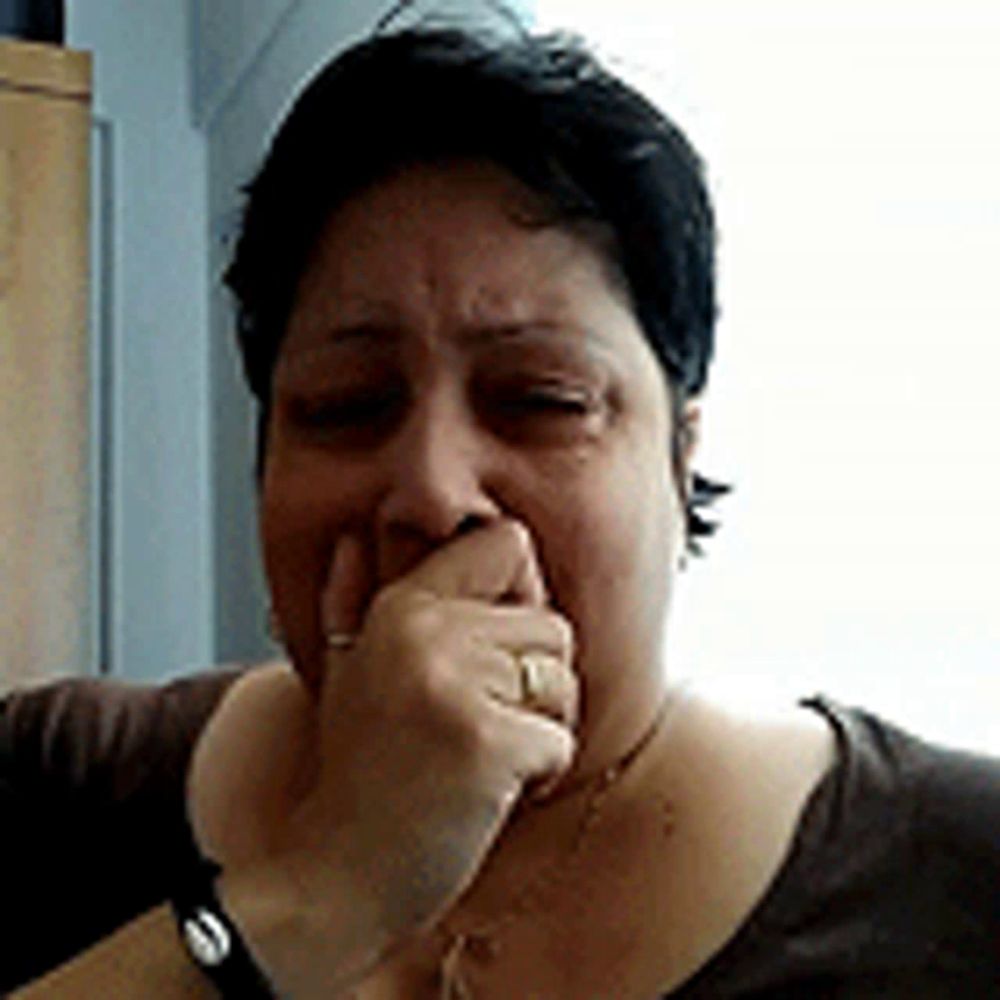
(211, 938)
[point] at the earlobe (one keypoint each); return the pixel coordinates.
(690, 432)
(688, 437)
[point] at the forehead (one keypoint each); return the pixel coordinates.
(453, 248)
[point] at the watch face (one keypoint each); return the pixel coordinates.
(207, 938)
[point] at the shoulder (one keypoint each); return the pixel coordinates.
(946, 796)
(958, 801)
(891, 885)
(934, 810)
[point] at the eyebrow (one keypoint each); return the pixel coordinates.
(492, 332)
(472, 334)
(342, 333)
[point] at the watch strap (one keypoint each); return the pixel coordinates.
(211, 938)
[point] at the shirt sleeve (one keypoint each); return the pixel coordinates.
(92, 808)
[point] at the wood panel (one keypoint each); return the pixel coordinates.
(44, 363)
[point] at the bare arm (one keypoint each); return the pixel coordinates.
(144, 959)
(303, 799)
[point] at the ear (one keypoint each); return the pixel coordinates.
(690, 433)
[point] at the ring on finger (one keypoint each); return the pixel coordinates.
(340, 641)
(531, 675)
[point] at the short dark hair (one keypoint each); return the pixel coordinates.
(541, 106)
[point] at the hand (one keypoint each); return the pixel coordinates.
(398, 779)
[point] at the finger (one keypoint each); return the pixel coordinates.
(494, 563)
(548, 686)
(539, 750)
(514, 627)
(348, 588)
(532, 681)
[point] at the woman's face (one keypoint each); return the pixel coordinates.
(445, 364)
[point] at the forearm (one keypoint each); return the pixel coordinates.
(308, 930)
(143, 960)
(305, 949)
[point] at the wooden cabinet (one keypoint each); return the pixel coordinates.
(45, 600)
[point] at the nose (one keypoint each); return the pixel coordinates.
(437, 484)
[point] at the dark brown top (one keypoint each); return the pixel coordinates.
(891, 890)
(892, 887)
(92, 819)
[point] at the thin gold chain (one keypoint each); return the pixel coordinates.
(481, 941)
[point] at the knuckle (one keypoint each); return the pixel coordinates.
(423, 622)
(521, 540)
(414, 616)
(481, 743)
(564, 747)
(474, 743)
(564, 637)
(514, 535)
(576, 690)
(437, 687)
(425, 681)
(386, 603)
(568, 689)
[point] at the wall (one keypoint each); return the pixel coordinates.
(151, 313)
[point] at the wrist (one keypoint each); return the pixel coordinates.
(212, 940)
(308, 933)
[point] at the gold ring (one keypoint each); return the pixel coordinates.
(529, 669)
(340, 641)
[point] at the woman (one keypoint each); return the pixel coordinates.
(476, 306)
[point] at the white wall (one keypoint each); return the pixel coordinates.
(150, 280)
(854, 149)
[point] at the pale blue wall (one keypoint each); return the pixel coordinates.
(151, 282)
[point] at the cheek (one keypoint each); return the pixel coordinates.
(288, 520)
(306, 500)
(608, 552)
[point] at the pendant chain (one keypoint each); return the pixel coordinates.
(480, 943)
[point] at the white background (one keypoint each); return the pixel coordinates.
(854, 155)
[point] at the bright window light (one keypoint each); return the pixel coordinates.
(854, 153)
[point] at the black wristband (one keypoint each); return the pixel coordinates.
(211, 938)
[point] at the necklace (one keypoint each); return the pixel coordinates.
(480, 944)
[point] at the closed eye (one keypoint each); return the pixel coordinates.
(545, 401)
(546, 414)
(361, 411)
